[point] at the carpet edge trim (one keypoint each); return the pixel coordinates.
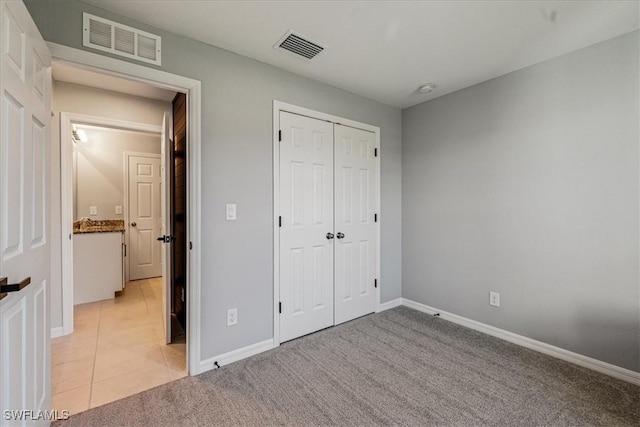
(539, 346)
(235, 355)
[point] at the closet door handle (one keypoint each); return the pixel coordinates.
(340, 235)
(329, 236)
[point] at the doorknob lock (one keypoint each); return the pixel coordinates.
(340, 235)
(329, 236)
(133, 224)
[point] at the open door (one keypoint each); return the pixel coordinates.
(167, 236)
(25, 118)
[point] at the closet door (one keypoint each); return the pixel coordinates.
(355, 202)
(306, 233)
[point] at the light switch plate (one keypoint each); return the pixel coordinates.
(93, 210)
(118, 210)
(231, 212)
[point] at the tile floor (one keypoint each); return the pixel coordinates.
(117, 349)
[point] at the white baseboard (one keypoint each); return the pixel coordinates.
(557, 352)
(57, 332)
(389, 305)
(235, 355)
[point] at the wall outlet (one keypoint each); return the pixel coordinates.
(93, 210)
(232, 316)
(118, 210)
(494, 299)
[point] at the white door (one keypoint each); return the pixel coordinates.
(356, 237)
(165, 202)
(25, 97)
(306, 243)
(145, 178)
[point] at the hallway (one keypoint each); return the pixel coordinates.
(117, 349)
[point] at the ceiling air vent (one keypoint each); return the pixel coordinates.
(299, 46)
(119, 39)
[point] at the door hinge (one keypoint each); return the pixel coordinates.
(280, 307)
(375, 217)
(375, 283)
(279, 221)
(190, 245)
(375, 152)
(280, 136)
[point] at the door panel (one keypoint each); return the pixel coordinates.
(306, 203)
(145, 180)
(355, 253)
(165, 203)
(25, 97)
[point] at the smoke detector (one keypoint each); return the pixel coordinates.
(428, 88)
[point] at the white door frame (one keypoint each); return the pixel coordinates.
(279, 106)
(125, 209)
(114, 67)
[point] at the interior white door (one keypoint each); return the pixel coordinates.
(25, 97)
(145, 179)
(356, 236)
(306, 243)
(165, 196)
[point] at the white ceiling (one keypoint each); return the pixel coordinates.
(67, 73)
(385, 50)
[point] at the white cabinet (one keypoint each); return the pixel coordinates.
(97, 266)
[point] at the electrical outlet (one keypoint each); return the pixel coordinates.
(118, 210)
(232, 316)
(494, 299)
(93, 210)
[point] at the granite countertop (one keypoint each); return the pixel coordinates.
(98, 226)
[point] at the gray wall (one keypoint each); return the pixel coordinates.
(99, 170)
(237, 96)
(528, 185)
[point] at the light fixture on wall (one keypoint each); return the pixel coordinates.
(79, 135)
(427, 88)
(82, 135)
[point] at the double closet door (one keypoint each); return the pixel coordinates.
(327, 239)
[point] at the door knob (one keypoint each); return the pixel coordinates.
(133, 224)
(340, 235)
(329, 236)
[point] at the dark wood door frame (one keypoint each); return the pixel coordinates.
(179, 210)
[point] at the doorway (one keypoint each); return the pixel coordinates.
(119, 343)
(192, 88)
(326, 211)
(128, 333)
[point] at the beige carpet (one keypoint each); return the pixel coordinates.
(399, 367)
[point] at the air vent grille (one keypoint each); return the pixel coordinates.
(100, 34)
(109, 36)
(124, 41)
(300, 46)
